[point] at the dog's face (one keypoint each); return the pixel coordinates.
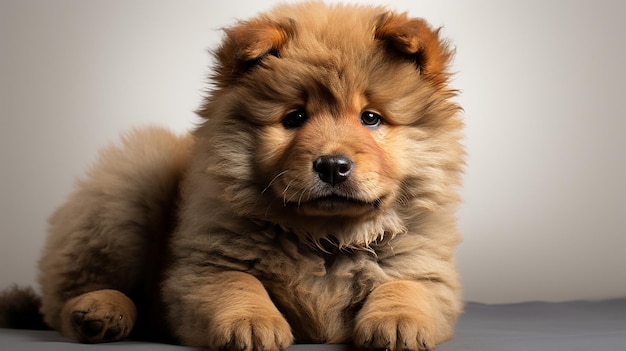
(317, 120)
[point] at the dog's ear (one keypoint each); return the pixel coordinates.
(247, 44)
(415, 40)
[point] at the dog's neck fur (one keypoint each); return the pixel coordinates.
(348, 233)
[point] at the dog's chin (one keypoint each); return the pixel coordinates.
(337, 206)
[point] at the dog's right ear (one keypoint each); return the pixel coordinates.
(247, 44)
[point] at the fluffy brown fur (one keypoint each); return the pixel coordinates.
(315, 203)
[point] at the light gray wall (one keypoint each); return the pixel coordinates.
(543, 86)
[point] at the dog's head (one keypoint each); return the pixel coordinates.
(333, 121)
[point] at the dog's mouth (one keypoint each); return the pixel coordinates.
(338, 205)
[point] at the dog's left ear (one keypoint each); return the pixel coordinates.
(247, 44)
(415, 40)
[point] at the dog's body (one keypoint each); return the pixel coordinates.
(314, 204)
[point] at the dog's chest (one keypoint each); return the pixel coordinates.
(320, 293)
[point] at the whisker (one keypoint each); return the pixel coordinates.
(273, 180)
(285, 200)
(310, 190)
(292, 196)
(269, 206)
(300, 198)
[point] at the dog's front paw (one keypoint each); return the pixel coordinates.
(98, 316)
(394, 330)
(400, 316)
(261, 331)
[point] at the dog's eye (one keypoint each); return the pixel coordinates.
(295, 119)
(371, 119)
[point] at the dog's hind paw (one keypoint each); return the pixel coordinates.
(98, 316)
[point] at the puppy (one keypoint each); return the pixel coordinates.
(314, 204)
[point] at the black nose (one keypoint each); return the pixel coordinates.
(333, 169)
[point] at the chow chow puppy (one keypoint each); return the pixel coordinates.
(315, 202)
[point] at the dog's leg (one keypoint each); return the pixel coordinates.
(402, 315)
(98, 316)
(228, 311)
